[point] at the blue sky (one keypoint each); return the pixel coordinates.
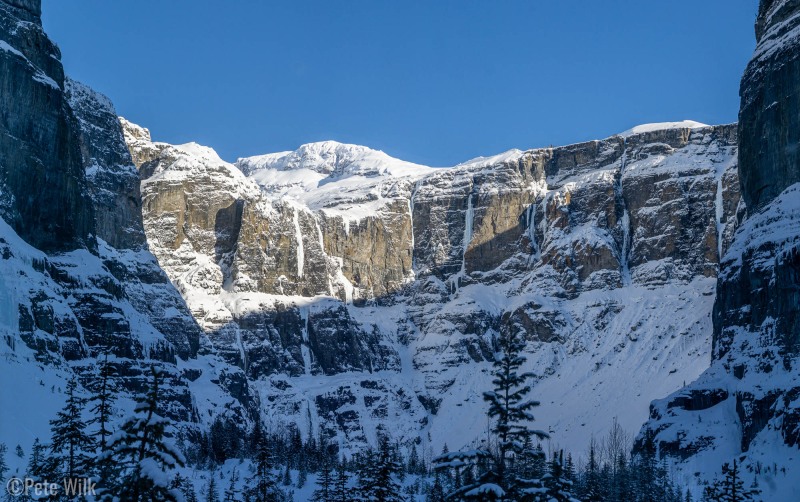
(434, 82)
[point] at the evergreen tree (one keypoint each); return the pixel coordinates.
(185, 487)
(211, 489)
(142, 448)
(71, 444)
(340, 493)
(436, 493)
(42, 466)
(622, 484)
(569, 468)
(102, 410)
(508, 402)
(35, 462)
(590, 490)
(377, 476)
(324, 492)
(557, 487)
(105, 467)
(646, 469)
(510, 407)
(263, 487)
(415, 465)
(731, 487)
(287, 476)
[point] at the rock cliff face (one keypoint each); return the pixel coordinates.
(359, 292)
(40, 159)
(745, 405)
(77, 282)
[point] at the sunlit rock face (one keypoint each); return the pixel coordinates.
(324, 270)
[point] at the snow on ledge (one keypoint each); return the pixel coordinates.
(660, 126)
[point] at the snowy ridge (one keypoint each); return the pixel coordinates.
(661, 126)
(333, 159)
(349, 181)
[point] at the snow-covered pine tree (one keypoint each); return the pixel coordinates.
(287, 476)
(590, 489)
(509, 405)
(622, 487)
(189, 493)
(262, 484)
(731, 487)
(646, 468)
(557, 487)
(526, 472)
(185, 486)
(302, 475)
(436, 492)
(377, 477)
(324, 491)
(142, 448)
(340, 493)
(211, 488)
(41, 466)
(465, 484)
(415, 465)
(102, 407)
(71, 444)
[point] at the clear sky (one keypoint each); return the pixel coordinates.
(434, 82)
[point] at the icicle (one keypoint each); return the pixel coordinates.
(626, 220)
(411, 201)
(468, 217)
(468, 223)
(304, 350)
(299, 238)
(530, 220)
(242, 351)
(719, 214)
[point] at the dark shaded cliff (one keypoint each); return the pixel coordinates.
(40, 159)
(746, 404)
(769, 117)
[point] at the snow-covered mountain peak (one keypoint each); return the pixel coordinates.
(660, 126)
(201, 152)
(333, 159)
